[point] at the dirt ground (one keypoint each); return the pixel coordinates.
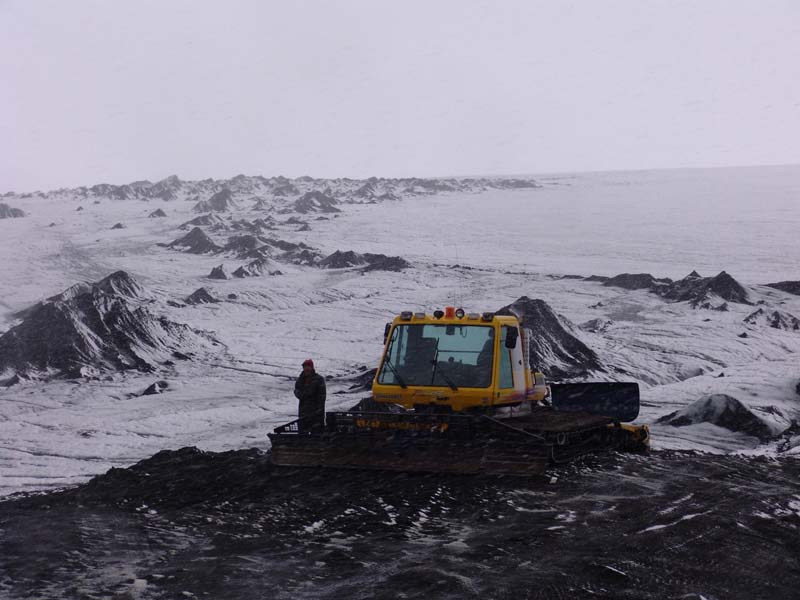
(190, 524)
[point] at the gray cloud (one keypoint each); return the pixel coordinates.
(101, 91)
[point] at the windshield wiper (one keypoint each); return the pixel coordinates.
(436, 365)
(449, 381)
(388, 363)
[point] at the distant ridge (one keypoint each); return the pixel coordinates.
(305, 194)
(698, 291)
(316, 201)
(220, 202)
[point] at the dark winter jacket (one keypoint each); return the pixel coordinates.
(310, 390)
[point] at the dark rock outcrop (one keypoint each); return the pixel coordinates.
(285, 189)
(638, 281)
(119, 283)
(341, 260)
(381, 262)
(430, 186)
(222, 201)
(155, 388)
(262, 204)
(367, 191)
(370, 262)
(218, 272)
(516, 184)
(258, 267)
(775, 319)
(195, 242)
(119, 226)
(266, 193)
(721, 410)
(201, 296)
(255, 227)
(791, 287)
(699, 291)
(596, 325)
(300, 254)
(316, 201)
(157, 213)
(553, 349)
(7, 212)
(166, 189)
(92, 327)
(210, 220)
(242, 245)
(285, 246)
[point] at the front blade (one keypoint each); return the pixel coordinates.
(401, 451)
(617, 400)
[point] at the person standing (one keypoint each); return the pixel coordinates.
(309, 389)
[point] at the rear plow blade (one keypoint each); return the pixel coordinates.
(409, 453)
(412, 443)
(617, 400)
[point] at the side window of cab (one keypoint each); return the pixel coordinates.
(506, 372)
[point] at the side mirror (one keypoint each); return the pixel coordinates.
(386, 332)
(512, 333)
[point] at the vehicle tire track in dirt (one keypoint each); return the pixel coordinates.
(229, 525)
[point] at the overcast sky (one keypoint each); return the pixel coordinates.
(102, 91)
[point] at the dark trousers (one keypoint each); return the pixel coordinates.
(311, 414)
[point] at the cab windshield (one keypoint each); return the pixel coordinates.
(453, 356)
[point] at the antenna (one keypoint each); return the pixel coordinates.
(460, 301)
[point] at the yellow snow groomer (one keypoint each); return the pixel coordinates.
(454, 392)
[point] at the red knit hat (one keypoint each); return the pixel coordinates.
(309, 362)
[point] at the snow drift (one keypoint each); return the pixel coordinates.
(723, 411)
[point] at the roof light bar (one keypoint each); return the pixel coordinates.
(405, 315)
(487, 316)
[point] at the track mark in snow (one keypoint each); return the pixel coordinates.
(683, 518)
(675, 504)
